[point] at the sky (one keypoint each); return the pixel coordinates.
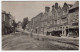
(22, 9)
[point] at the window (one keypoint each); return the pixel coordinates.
(63, 32)
(74, 24)
(55, 22)
(58, 21)
(60, 28)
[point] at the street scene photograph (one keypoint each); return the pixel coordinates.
(40, 25)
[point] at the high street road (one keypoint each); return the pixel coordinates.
(23, 41)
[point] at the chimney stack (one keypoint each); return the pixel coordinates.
(53, 8)
(56, 6)
(47, 9)
(4, 12)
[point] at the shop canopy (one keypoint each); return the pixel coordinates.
(73, 27)
(51, 30)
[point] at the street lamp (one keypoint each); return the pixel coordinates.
(37, 33)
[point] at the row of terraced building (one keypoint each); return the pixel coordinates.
(60, 21)
(7, 23)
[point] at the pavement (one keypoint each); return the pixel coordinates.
(23, 41)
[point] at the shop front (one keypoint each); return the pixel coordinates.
(73, 31)
(56, 33)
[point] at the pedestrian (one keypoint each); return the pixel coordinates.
(31, 33)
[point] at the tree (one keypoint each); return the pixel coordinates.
(19, 23)
(25, 22)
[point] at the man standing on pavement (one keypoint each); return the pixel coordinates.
(31, 33)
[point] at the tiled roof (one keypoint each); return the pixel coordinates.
(75, 5)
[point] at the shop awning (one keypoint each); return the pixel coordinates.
(74, 27)
(57, 30)
(50, 30)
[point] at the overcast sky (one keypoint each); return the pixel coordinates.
(28, 9)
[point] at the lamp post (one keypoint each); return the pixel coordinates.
(37, 33)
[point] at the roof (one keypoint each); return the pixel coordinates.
(76, 4)
(40, 14)
(70, 5)
(9, 15)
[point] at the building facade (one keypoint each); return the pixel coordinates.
(7, 22)
(73, 18)
(57, 21)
